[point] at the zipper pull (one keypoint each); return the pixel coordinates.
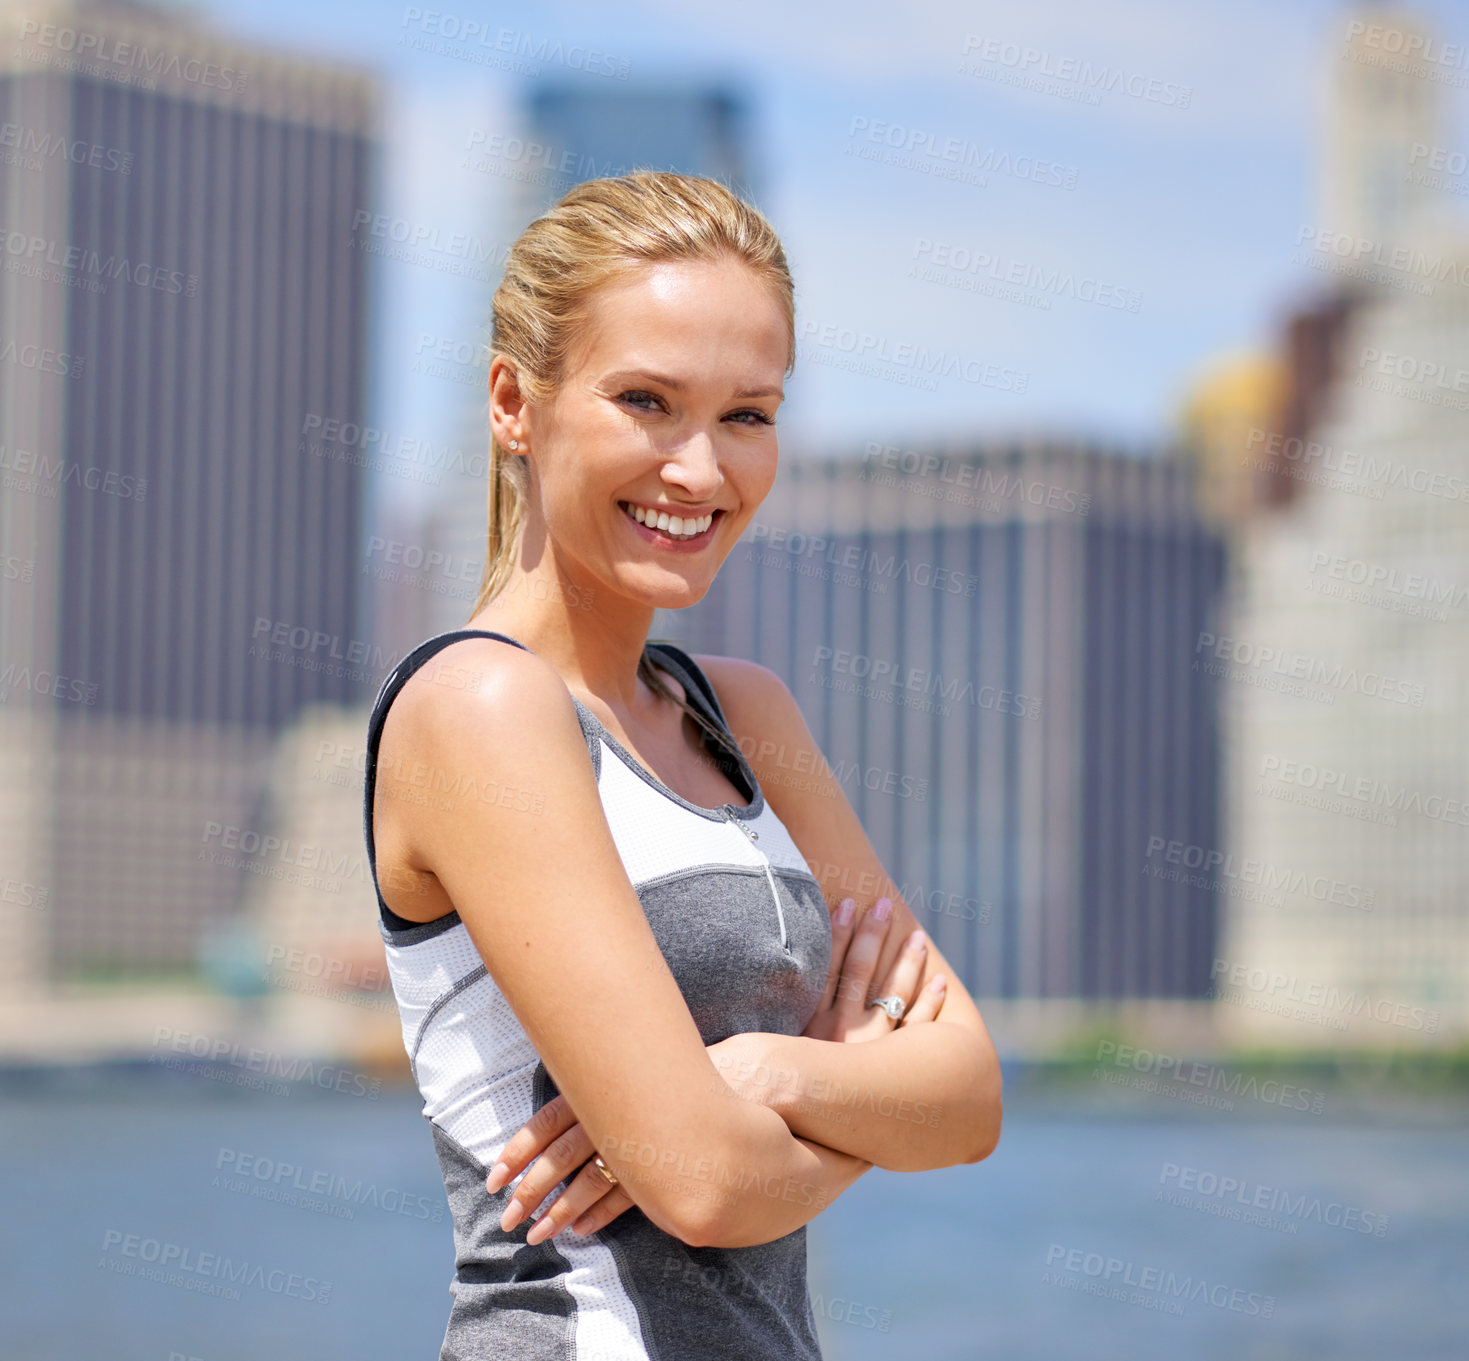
(769, 877)
(741, 824)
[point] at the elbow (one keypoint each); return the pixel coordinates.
(694, 1198)
(700, 1197)
(723, 1227)
(701, 1227)
(987, 1138)
(988, 1114)
(986, 1126)
(715, 1209)
(969, 1131)
(689, 1212)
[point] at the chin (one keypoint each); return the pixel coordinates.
(668, 595)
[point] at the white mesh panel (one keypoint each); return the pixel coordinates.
(424, 972)
(656, 836)
(606, 1319)
(482, 1118)
(474, 1039)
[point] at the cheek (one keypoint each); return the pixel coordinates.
(757, 486)
(580, 490)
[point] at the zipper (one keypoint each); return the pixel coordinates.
(754, 836)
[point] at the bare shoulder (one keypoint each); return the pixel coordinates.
(474, 682)
(480, 709)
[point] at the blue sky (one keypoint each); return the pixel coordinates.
(1194, 209)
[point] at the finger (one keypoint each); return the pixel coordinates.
(604, 1211)
(928, 1003)
(550, 1122)
(587, 1188)
(907, 969)
(841, 936)
(561, 1158)
(862, 956)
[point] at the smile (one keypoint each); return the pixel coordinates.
(670, 528)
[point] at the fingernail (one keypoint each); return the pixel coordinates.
(938, 982)
(915, 941)
(499, 1175)
(883, 910)
(844, 912)
(540, 1231)
(514, 1212)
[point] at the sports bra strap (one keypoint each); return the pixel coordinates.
(670, 655)
(685, 668)
(396, 679)
(701, 694)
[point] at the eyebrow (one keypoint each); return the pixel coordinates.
(673, 383)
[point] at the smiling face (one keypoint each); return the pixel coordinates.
(666, 409)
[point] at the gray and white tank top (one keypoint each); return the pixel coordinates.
(744, 928)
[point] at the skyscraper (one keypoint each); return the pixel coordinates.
(996, 649)
(188, 315)
(1346, 714)
(1378, 111)
(588, 131)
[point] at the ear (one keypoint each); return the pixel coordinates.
(509, 411)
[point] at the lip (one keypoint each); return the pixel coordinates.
(668, 545)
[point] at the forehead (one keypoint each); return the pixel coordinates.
(705, 316)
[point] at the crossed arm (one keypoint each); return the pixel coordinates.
(949, 1069)
(854, 1091)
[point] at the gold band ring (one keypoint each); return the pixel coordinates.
(605, 1170)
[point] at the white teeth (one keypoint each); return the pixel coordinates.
(674, 526)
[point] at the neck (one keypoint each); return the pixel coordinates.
(592, 637)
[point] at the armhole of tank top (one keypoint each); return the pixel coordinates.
(394, 929)
(591, 729)
(701, 692)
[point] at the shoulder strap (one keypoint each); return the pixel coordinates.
(396, 679)
(701, 693)
(686, 669)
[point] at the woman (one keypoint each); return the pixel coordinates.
(616, 946)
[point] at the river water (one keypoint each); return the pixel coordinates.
(1104, 1226)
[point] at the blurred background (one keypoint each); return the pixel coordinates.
(1119, 560)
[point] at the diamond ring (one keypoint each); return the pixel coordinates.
(894, 1006)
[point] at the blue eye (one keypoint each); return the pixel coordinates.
(635, 397)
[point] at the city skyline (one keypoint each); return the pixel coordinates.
(191, 523)
(325, 435)
(1142, 212)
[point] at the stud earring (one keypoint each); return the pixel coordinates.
(515, 444)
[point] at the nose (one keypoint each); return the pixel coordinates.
(694, 468)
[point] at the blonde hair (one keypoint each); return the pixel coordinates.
(604, 230)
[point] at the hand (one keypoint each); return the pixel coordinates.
(554, 1137)
(843, 1014)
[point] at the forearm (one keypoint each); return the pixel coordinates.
(921, 1098)
(756, 1182)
